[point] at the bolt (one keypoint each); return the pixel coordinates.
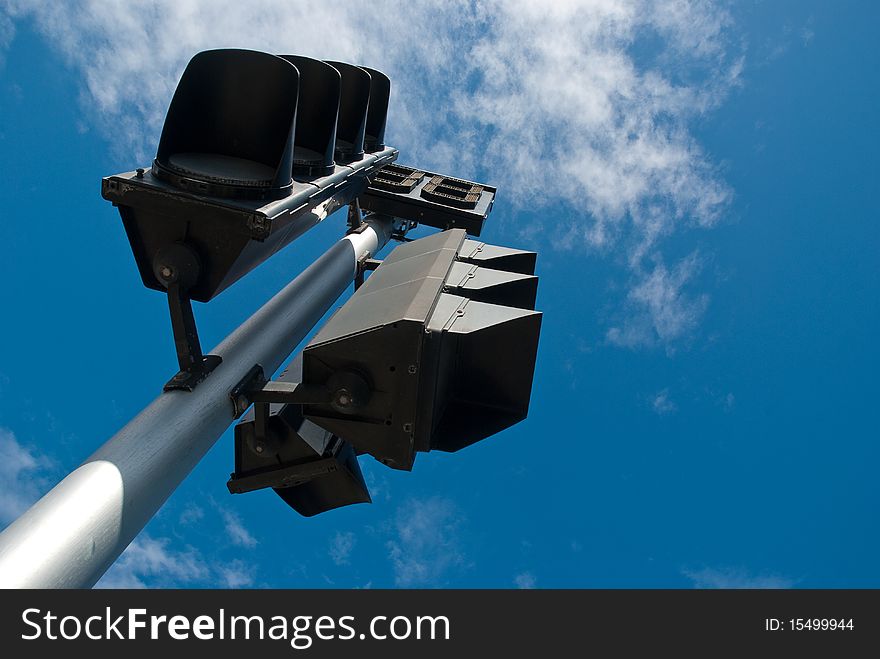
(407, 427)
(140, 172)
(412, 369)
(166, 271)
(242, 403)
(259, 447)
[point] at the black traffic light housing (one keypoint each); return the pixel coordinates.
(354, 103)
(377, 115)
(315, 140)
(236, 115)
(245, 165)
(446, 347)
(228, 131)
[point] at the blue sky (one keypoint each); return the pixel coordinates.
(699, 179)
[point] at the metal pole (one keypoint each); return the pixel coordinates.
(74, 533)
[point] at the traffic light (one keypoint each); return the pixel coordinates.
(315, 140)
(435, 350)
(440, 349)
(354, 104)
(380, 92)
(245, 165)
(229, 126)
(311, 469)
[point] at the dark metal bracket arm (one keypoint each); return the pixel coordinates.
(401, 226)
(194, 366)
(346, 392)
(355, 216)
(255, 388)
(366, 265)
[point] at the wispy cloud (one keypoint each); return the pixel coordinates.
(236, 574)
(728, 402)
(425, 543)
(341, 547)
(7, 32)
(152, 562)
(236, 531)
(580, 108)
(727, 577)
(659, 310)
(662, 404)
(191, 514)
(525, 581)
(157, 562)
(26, 475)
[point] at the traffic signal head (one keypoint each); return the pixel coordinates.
(380, 92)
(447, 348)
(228, 132)
(315, 141)
(311, 469)
(245, 165)
(354, 102)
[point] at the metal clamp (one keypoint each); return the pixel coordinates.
(345, 391)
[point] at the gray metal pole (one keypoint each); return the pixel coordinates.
(74, 533)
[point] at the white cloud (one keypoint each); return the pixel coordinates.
(191, 514)
(236, 574)
(658, 310)
(728, 402)
(162, 562)
(341, 547)
(25, 474)
(7, 32)
(425, 543)
(583, 109)
(572, 115)
(735, 578)
(150, 562)
(236, 531)
(525, 581)
(807, 34)
(662, 404)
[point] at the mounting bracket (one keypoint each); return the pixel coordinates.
(346, 391)
(363, 266)
(194, 366)
(177, 266)
(355, 217)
